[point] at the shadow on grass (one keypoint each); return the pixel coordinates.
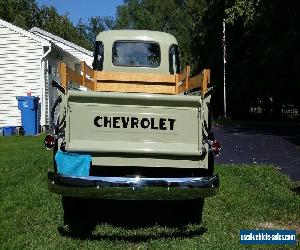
(138, 237)
(296, 190)
(82, 216)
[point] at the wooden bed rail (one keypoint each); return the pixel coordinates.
(85, 79)
(182, 80)
(88, 76)
(134, 82)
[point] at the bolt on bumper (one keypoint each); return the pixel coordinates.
(133, 188)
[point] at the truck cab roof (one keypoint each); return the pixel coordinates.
(135, 50)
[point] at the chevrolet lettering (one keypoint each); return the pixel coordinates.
(134, 122)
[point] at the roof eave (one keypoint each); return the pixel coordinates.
(59, 39)
(25, 33)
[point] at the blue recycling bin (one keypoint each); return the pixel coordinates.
(29, 106)
(8, 130)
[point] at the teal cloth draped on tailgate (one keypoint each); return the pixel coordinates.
(73, 164)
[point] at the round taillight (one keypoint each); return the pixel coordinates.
(216, 147)
(49, 141)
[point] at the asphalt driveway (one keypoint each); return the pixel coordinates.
(274, 144)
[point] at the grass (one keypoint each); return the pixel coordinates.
(250, 197)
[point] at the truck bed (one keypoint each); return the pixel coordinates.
(129, 82)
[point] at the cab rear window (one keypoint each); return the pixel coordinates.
(136, 54)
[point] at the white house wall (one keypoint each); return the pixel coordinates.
(20, 69)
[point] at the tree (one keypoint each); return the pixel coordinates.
(96, 25)
(263, 37)
(27, 14)
(60, 25)
(21, 13)
(168, 16)
(262, 41)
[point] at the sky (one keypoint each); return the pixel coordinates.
(83, 8)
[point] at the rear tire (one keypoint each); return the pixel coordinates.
(196, 207)
(77, 217)
(211, 163)
(186, 211)
(68, 203)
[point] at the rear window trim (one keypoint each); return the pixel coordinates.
(135, 41)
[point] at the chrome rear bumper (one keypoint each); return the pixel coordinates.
(133, 188)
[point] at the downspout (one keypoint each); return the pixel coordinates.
(43, 82)
(47, 52)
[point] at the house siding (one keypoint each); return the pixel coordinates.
(20, 69)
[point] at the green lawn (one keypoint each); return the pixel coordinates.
(250, 197)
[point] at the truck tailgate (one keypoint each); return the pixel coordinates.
(105, 123)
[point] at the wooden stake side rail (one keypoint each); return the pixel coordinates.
(182, 81)
(134, 82)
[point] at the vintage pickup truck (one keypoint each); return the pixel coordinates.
(135, 127)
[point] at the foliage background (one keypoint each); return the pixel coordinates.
(262, 40)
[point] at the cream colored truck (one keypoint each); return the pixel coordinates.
(135, 127)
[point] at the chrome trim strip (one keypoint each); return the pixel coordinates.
(133, 188)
